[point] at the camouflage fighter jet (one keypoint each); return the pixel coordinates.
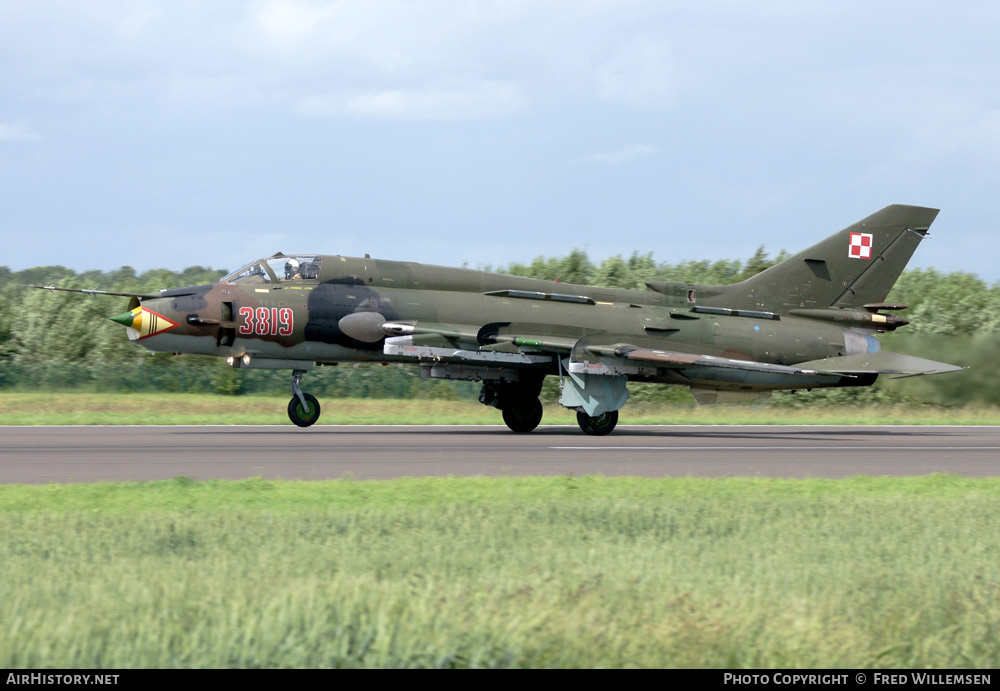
(805, 323)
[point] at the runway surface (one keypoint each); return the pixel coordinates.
(89, 454)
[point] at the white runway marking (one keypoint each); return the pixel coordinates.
(838, 447)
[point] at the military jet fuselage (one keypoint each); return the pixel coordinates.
(805, 323)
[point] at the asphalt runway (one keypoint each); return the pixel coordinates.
(89, 454)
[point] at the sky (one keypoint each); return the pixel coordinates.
(170, 134)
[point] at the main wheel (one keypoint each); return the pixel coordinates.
(298, 415)
(524, 416)
(597, 426)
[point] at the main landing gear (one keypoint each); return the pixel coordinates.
(524, 415)
(597, 426)
(303, 409)
(522, 411)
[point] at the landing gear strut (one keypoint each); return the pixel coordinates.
(597, 426)
(303, 409)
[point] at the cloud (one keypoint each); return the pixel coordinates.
(17, 132)
(626, 154)
(951, 134)
(487, 100)
(642, 72)
(403, 59)
(289, 21)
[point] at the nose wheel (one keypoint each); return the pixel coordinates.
(303, 409)
(303, 415)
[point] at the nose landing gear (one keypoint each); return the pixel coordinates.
(303, 409)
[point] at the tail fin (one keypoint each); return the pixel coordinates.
(852, 268)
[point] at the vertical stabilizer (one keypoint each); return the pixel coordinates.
(857, 266)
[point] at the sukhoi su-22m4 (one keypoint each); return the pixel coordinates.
(805, 323)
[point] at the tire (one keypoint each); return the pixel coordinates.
(298, 415)
(597, 426)
(524, 416)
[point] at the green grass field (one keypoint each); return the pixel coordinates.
(503, 572)
(203, 409)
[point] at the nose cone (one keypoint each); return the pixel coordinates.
(143, 322)
(128, 318)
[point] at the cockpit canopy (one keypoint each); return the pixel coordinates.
(278, 269)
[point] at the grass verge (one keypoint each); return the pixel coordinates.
(198, 409)
(503, 572)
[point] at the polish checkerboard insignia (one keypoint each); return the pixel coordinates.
(861, 246)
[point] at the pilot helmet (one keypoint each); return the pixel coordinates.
(291, 268)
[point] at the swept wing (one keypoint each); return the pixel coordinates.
(882, 362)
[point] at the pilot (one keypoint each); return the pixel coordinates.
(292, 270)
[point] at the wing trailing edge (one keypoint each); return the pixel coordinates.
(882, 362)
(678, 359)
